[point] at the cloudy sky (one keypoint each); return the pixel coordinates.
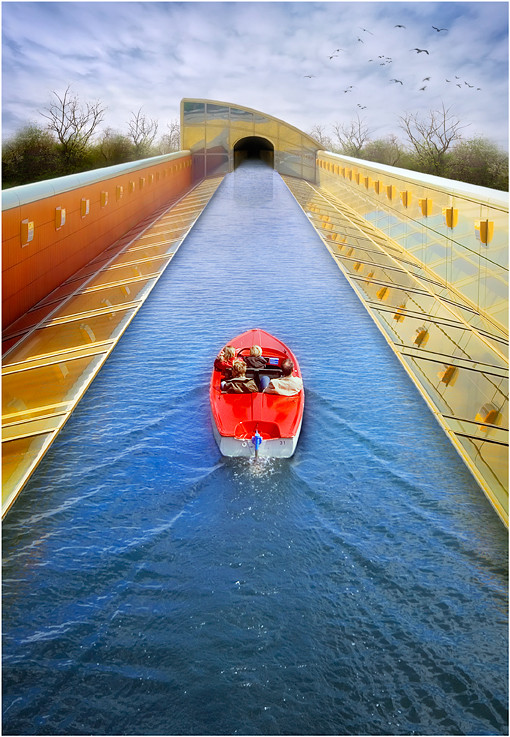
(292, 60)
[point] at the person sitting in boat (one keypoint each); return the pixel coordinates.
(288, 385)
(239, 383)
(224, 360)
(257, 361)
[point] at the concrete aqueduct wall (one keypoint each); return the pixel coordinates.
(51, 229)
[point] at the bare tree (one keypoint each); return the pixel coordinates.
(142, 131)
(73, 123)
(318, 132)
(431, 137)
(352, 136)
(171, 141)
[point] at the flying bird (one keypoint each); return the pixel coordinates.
(366, 30)
(459, 85)
(423, 88)
(439, 29)
(397, 80)
(425, 79)
(361, 41)
(333, 56)
(421, 51)
(309, 76)
(469, 85)
(448, 80)
(399, 26)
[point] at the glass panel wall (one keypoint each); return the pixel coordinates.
(455, 353)
(211, 130)
(458, 230)
(50, 363)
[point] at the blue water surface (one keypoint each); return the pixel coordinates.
(152, 587)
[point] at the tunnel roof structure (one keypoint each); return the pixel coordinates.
(213, 131)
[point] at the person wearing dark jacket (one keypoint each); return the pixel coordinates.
(257, 361)
(239, 383)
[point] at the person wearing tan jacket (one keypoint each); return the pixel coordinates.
(287, 385)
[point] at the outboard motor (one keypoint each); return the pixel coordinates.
(256, 440)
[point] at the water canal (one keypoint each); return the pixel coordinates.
(151, 587)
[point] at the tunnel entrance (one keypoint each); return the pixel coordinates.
(254, 147)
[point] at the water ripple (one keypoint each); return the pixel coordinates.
(152, 587)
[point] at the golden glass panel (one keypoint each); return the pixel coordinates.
(500, 313)
(217, 137)
(241, 128)
(193, 112)
(462, 400)
(148, 252)
(194, 138)
(169, 235)
(18, 457)
(127, 273)
(269, 129)
(461, 373)
(28, 394)
(104, 298)
(32, 427)
(217, 112)
(491, 461)
(240, 116)
(74, 334)
(27, 321)
(289, 137)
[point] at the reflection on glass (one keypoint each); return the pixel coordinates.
(238, 115)
(194, 112)
(75, 334)
(215, 112)
(34, 392)
(101, 299)
(18, 457)
(217, 163)
(455, 353)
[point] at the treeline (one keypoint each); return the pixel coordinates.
(433, 145)
(34, 154)
(70, 143)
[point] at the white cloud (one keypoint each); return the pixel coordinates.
(150, 55)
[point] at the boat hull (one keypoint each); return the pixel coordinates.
(274, 418)
(244, 448)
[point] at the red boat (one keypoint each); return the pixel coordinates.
(257, 424)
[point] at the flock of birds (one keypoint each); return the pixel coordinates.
(384, 60)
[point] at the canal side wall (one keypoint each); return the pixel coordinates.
(53, 228)
(458, 231)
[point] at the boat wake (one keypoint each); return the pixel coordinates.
(261, 466)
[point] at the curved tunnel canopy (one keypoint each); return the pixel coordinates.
(253, 147)
(214, 132)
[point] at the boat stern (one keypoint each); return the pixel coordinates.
(244, 443)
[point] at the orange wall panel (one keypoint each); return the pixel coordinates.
(31, 272)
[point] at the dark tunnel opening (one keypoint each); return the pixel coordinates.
(253, 147)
